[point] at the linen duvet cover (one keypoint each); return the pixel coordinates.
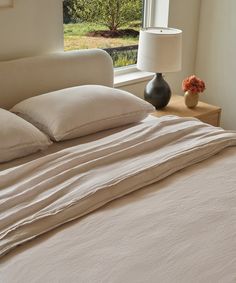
(47, 192)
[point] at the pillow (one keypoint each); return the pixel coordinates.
(19, 138)
(82, 110)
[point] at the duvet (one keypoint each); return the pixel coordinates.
(47, 192)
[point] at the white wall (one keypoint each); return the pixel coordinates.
(216, 62)
(135, 88)
(32, 27)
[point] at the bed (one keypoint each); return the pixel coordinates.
(152, 201)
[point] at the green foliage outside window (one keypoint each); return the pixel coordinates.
(112, 25)
(111, 13)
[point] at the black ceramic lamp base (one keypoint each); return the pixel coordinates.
(157, 92)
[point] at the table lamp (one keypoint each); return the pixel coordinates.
(160, 51)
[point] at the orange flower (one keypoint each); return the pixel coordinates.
(193, 84)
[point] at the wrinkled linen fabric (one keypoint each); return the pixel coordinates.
(181, 229)
(43, 194)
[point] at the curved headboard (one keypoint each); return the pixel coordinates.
(23, 78)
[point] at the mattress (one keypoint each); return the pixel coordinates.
(180, 229)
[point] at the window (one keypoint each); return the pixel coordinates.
(112, 25)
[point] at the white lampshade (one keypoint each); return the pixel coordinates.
(160, 50)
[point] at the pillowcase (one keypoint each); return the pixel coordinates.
(82, 110)
(19, 138)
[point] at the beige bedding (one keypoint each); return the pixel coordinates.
(182, 229)
(58, 146)
(150, 235)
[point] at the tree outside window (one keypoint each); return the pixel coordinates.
(109, 24)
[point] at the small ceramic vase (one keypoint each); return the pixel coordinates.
(191, 99)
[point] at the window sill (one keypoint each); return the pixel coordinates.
(135, 76)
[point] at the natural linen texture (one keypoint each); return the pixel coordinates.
(19, 138)
(78, 111)
(52, 190)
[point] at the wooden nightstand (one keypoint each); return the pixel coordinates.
(205, 112)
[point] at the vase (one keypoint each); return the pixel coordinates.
(157, 92)
(191, 99)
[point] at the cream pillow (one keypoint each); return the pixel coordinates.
(82, 110)
(19, 138)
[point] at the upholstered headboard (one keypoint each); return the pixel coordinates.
(23, 78)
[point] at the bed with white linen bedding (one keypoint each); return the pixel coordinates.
(177, 225)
